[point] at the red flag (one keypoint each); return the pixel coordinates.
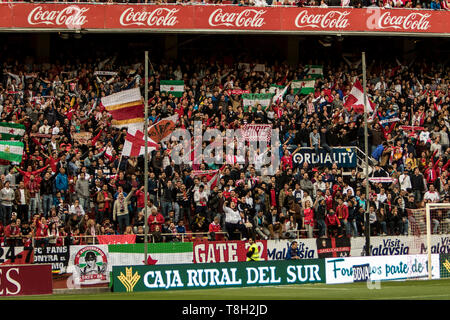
(163, 128)
(355, 99)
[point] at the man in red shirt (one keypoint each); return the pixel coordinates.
(27, 174)
(215, 227)
(155, 219)
(12, 234)
(342, 215)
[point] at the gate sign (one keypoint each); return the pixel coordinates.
(343, 157)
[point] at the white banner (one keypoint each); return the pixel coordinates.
(358, 269)
(257, 132)
(89, 264)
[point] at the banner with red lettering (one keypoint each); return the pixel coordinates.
(226, 251)
(117, 239)
(110, 17)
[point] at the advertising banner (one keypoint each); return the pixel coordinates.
(191, 18)
(343, 157)
(351, 269)
(26, 280)
(58, 257)
(444, 260)
(277, 249)
(217, 275)
(226, 251)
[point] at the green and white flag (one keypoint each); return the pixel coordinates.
(9, 130)
(305, 86)
(274, 88)
(158, 253)
(11, 150)
(315, 71)
(175, 87)
(253, 99)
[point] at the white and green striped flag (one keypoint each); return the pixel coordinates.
(11, 150)
(10, 130)
(175, 87)
(274, 88)
(253, 99)
(315, 71)
(305, 86)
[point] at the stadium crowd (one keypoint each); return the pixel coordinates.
(417, 4)
(68, 188)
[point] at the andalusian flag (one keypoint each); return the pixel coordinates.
(274, 88)
(9, 130)
(253, 99)
(126, 108)
(11, 150)
(175, 87)
(314, 71)
(305, 86)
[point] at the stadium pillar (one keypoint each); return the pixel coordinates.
(171, 46)
(366, 151)
(292, 50)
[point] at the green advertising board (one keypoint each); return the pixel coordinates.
(445, 265)
(217, 275)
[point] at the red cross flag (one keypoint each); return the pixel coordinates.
(134, 145)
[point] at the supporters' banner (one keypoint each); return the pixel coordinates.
(251, 100)
(9, 130)
(343, 157)
(259, 67)
(278, 249)
(382, 179)
(58, 257)
(89, 264)
(359, 269)
(63, 16)
(16, 255)
(226, 251)
(83, 137)
(40, 135)
(305, 86)
(237, 92)
(256, 132)
(26, 280)
(333, 247)
(157, 253)
(393, 119)
(314, 71)
(11, 150)
(163, 128)
(217, 275)
(117, 239)
(105, 73)
(175, 87)
(126, 107)
(274, 88)
(411, 128)
(244, 66)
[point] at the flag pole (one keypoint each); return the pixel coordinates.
(366, 151)
(146, 157)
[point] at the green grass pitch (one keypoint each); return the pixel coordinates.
(392, 290)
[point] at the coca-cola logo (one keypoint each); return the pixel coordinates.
(71, 16)
(413, 21)
(158, 17)
(331, 20)
(246, 18)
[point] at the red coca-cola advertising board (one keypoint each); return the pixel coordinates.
(221, 18)
(226, 251)
(16, 280)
